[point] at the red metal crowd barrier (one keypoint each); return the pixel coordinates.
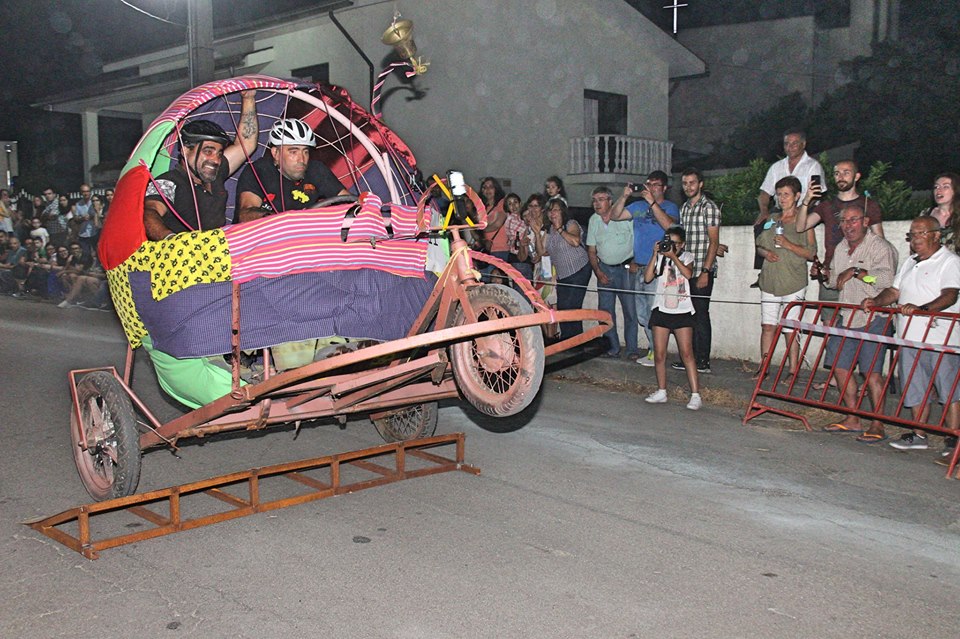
(815, 323)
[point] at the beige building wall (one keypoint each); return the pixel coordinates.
(504, 90)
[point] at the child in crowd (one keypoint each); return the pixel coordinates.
(672, 311)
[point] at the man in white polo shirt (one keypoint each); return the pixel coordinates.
(797, 163)
(929, 281)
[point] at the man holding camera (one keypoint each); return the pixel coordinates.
(652, 215)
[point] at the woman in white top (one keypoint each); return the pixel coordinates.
(672, 267)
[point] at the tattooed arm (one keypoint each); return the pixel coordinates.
(247, 131)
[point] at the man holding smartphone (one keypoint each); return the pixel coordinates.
(815, 209)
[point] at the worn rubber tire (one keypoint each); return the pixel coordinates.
(509, 389)
(107, 415)
(411, 422)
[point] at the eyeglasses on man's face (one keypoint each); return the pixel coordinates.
(850, 220)
(913, 234)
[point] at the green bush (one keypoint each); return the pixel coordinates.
(895, 197)
(737, 192)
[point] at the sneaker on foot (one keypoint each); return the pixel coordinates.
(646, 361)
(659, 397)
(695, 402)
(64, 304)
(949, 444)
(704, 369)
(678, 366)
(910, 441)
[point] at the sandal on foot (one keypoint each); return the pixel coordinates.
(840, 428)
(871, 438)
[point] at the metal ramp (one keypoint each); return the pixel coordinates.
(179, 508)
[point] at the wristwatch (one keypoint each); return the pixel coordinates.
(857, 271)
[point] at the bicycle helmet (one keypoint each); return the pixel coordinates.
(292, 132)
(196, 131)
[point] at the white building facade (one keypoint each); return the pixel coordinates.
(518, 90)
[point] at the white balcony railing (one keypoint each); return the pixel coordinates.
(618, 154)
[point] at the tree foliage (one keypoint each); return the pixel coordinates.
(901, 103)
(737, 191)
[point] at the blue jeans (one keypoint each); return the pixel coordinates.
(623, 280)
(571, 297)
(644, 299)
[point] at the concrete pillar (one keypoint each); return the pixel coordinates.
(91, 142)
(200, 41)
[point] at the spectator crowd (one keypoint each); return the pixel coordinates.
(48, 247)
(658, 262)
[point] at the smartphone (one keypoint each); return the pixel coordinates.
(815, 179)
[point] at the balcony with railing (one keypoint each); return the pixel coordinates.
(605, 159)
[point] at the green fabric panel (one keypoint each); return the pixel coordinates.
(148, 150)
(193, 382)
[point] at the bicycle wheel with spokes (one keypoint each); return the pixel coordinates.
(501, 373)
(108, 455)
(411, 422)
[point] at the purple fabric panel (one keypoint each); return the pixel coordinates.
(366, 303)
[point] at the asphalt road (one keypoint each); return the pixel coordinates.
(602, 517)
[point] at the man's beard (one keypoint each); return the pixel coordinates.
(207, 172)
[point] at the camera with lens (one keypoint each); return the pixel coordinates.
(665, 245)
(638, 188)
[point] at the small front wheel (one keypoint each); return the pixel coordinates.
(499, 374)
(106, 444)
(411, 422)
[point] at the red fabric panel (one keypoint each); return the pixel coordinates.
(123, 231)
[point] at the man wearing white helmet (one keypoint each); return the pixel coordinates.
(285, 179)
(208, 157)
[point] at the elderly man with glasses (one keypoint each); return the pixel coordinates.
(863, 264)
(610, 251)
(927, 282)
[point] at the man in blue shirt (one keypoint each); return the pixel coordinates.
(652, 215)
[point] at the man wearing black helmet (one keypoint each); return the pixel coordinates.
(285, 178)
(208, 158)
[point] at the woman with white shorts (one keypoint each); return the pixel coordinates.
(783, 276)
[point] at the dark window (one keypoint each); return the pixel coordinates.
(314, 73)
(609, 112)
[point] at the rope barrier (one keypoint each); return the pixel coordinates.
(487, 277)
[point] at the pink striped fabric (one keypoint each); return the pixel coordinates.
(301, 241)
(403, 219)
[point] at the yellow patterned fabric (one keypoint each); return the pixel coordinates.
(200, 257)
(123, 302)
